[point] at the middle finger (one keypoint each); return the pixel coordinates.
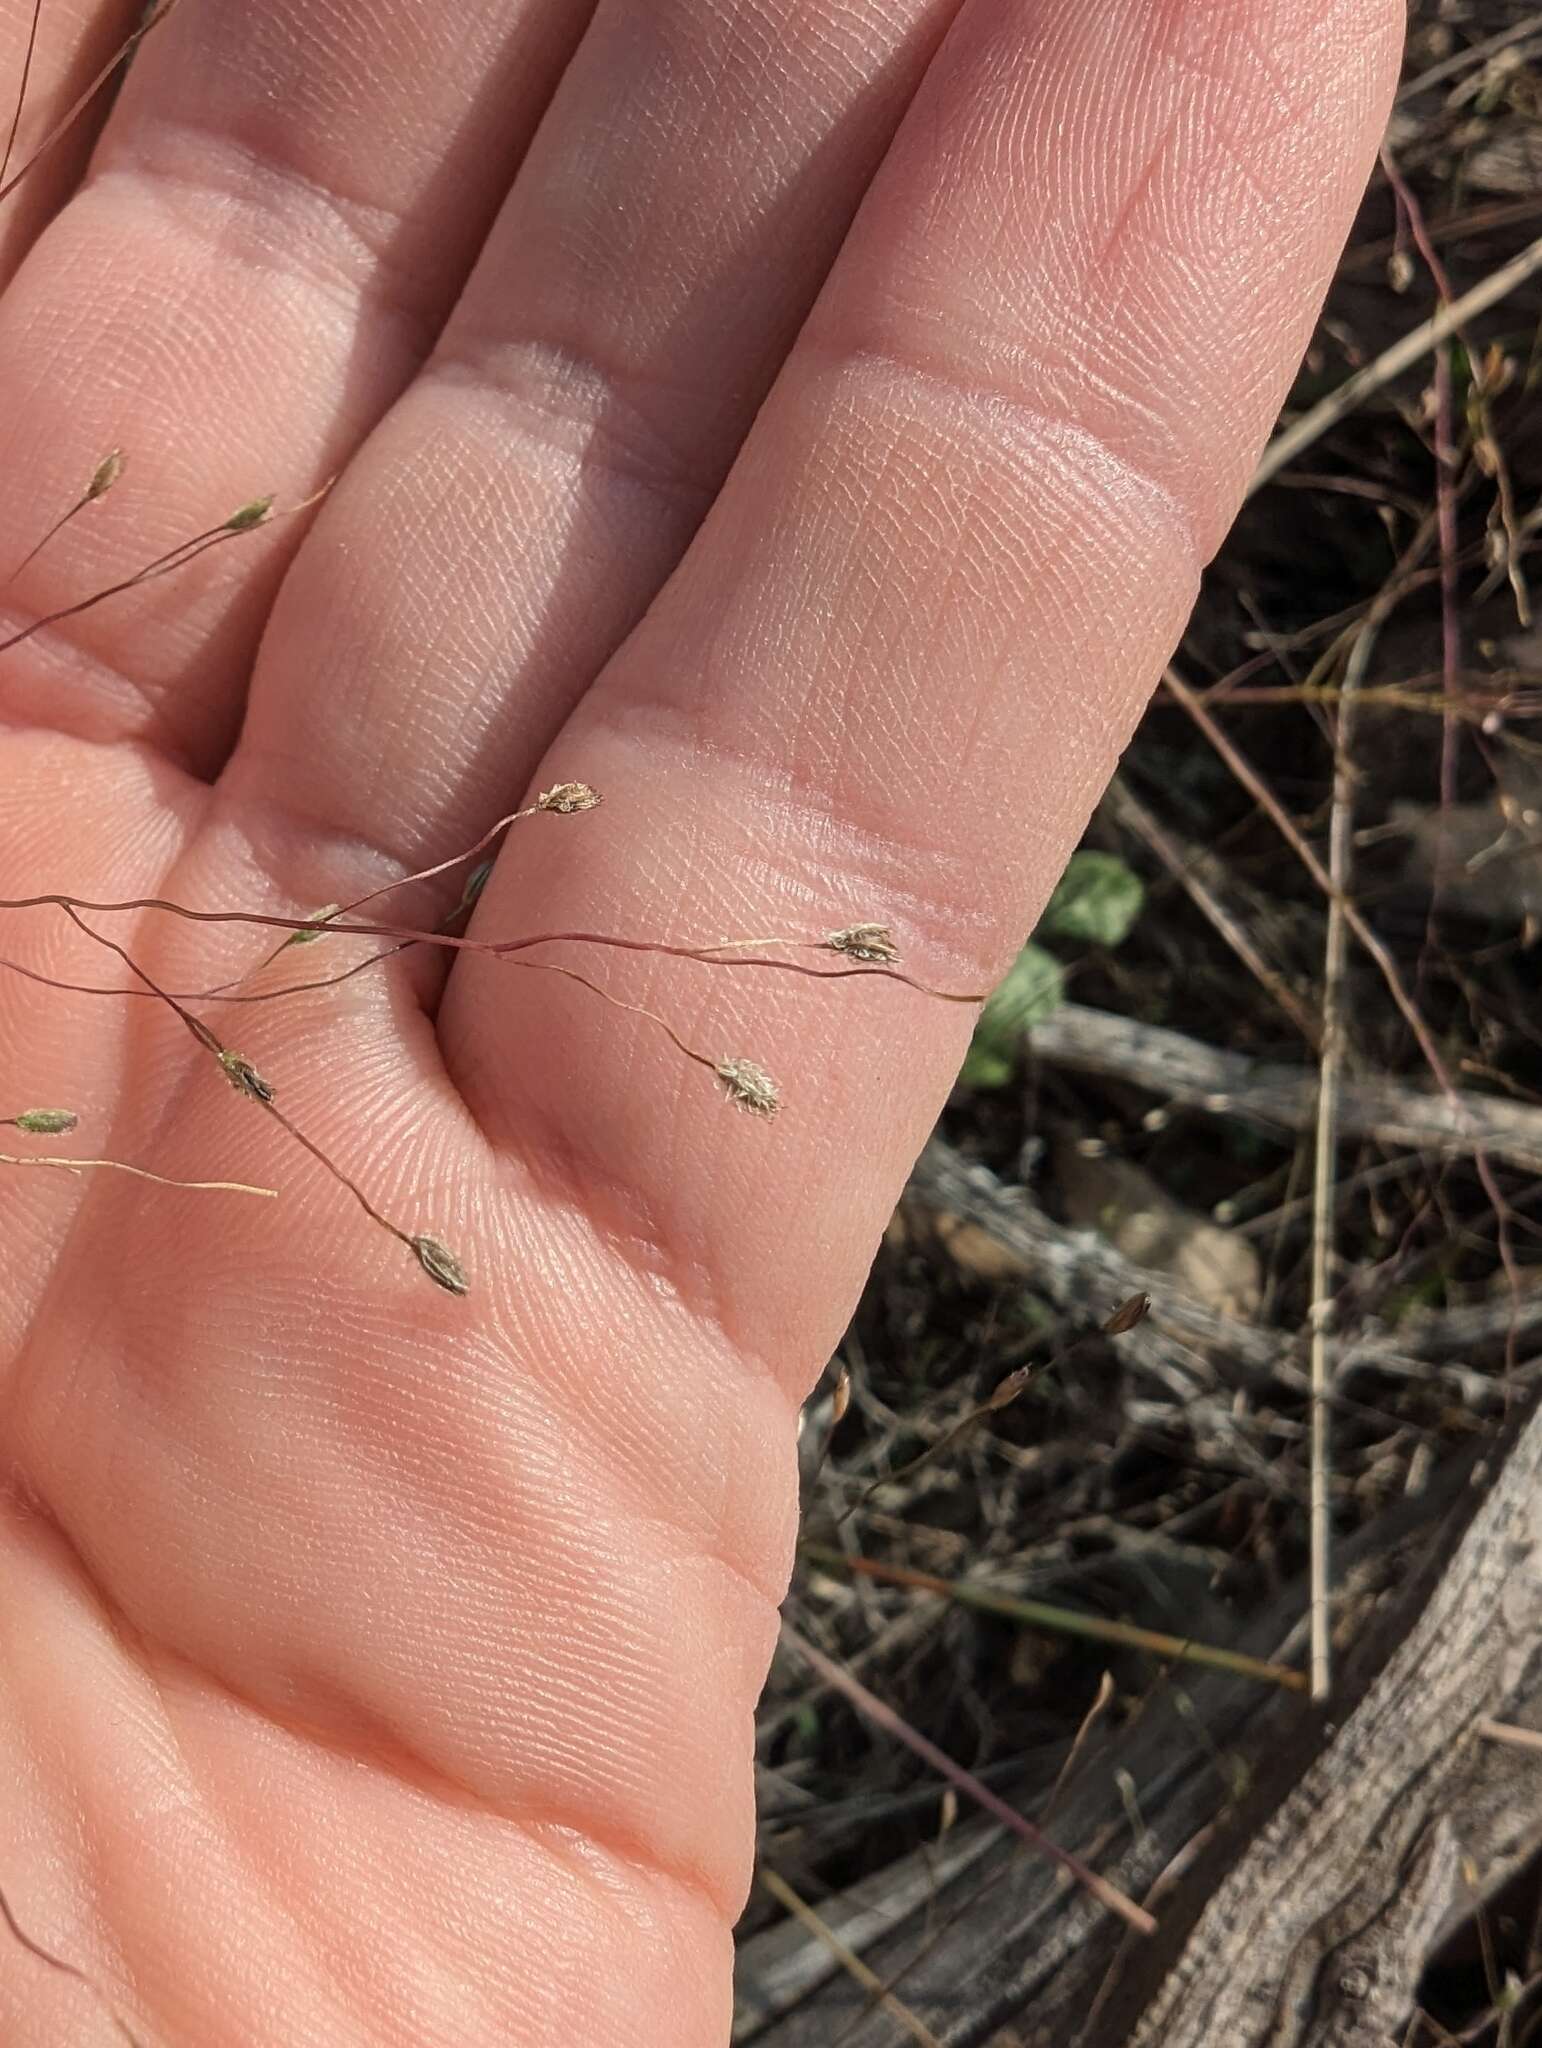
(503, 530)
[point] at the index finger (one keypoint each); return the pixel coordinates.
(895, 670)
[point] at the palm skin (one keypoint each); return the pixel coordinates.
(377, 1666)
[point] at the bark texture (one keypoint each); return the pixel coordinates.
(1302, 1863)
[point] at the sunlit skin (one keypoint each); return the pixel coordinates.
(805, 421)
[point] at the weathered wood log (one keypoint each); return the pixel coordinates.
(1298, 1915)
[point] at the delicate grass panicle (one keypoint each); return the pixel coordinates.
(245, 519)
(869, 946)
(748, 1085)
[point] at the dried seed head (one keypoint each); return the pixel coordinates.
(251, 514)
(750, 1086)
(840, 1397)
(1127, 1315)
(244, 1077)
(1006, 1391)
(865, 942)
(46, 1123)
(566, 797)
(312, 931)
(105, 475)
(441, 1266)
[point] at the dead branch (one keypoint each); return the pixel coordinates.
(1181, 1069)
(1184, 1345)
(1316, 1936)
(1294, 1912)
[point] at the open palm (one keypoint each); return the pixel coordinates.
(802, 420)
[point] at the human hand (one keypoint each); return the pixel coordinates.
(378, 1666)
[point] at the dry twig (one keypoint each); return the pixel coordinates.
(1392, 362)
(873, 1709)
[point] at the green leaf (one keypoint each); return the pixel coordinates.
(1033, 987)
(1096, 901)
